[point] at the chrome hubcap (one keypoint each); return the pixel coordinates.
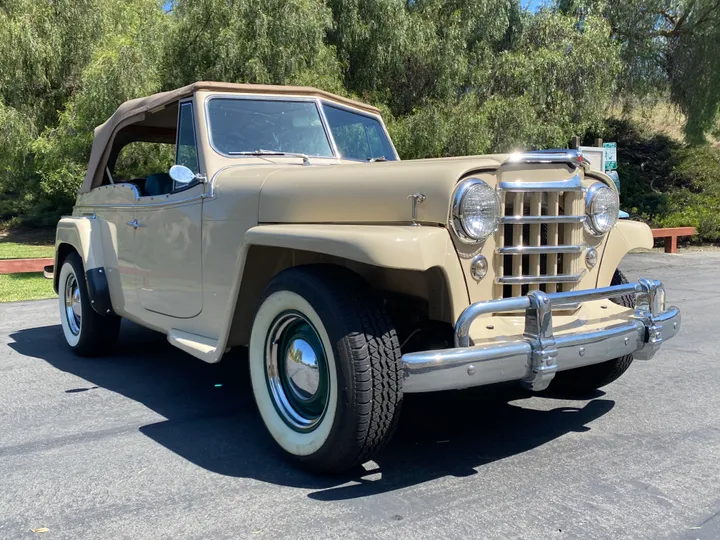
(73, 305)
(297, 371)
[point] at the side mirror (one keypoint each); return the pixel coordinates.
(181, 174)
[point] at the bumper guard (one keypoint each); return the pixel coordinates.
(536, 357)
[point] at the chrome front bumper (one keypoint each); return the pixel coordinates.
(538, 355)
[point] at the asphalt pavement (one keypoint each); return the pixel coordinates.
(151, 443)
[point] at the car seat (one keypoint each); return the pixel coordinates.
(158, 184)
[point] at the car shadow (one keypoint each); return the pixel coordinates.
(212, 420)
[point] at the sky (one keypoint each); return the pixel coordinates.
(533, 5)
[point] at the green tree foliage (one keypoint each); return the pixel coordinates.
(557, 80)
(666, 45)
(253, 41)
(451, 76)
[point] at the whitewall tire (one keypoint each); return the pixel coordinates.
(285, 427)
(325, 367)
(86, 332)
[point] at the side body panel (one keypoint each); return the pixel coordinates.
(168, 254)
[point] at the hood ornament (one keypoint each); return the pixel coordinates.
(416, 198)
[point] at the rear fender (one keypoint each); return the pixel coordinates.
(84, 235)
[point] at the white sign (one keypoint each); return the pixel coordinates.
(595, 156)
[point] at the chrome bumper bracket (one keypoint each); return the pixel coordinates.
(539, 332)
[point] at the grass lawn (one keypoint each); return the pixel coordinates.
(33, 286)
(13, 250)
(22, 243)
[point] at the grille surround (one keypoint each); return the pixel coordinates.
(540, 242)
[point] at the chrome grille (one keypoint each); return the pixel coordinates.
(540, 237)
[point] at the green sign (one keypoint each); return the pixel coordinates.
(610, 156)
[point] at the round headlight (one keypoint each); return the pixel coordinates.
(601, 209)
(476, 210)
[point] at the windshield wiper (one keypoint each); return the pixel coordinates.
(374, 159)
(261, 152)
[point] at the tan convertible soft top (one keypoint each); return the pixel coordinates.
(134, 111)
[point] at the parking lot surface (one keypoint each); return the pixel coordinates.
(151, 443)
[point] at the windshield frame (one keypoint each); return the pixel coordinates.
(320, 104)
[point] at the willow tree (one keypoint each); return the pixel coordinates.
(668, 48)
(554, 80)
(253, 41)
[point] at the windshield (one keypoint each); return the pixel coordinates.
(247, 125)
(275, 127)
(358, 136)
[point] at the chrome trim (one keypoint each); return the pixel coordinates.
(518, 220)
(284, 395)
(326, 124)
(473, 311)
(183, 103)
(591, 257)
(416, 198)
(571, 184)
(456, 217)
(479, 267)
(73, 304)
(574, 158)
(138, 204)
(589, 222)
(545, 278)
(539, 250)
(538, 354)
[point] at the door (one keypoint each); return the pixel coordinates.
(113, 213)
(168, 239)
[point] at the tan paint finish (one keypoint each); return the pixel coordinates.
(365, 192)
(168, 254)
(197, 265)
(627, 235)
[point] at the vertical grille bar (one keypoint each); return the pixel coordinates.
(574, 234)
(518, 210)
(535, 238)
(553, 206)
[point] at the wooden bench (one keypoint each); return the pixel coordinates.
(22, 266)
(670, 235)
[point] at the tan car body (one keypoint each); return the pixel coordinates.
(196, 265)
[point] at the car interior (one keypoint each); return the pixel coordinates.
(143, 152)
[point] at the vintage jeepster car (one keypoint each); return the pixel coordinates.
(285, 222)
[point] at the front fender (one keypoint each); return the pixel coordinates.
(624, 237)
(416, 248)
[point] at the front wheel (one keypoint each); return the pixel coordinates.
(325, 368)
(86, 332)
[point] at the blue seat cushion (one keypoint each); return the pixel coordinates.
(158, 184)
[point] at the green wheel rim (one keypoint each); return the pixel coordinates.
(297, 371)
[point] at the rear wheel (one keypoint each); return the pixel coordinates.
(86, 332)
(325, 368)
(585, 379)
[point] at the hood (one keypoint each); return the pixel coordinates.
(366, 192)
